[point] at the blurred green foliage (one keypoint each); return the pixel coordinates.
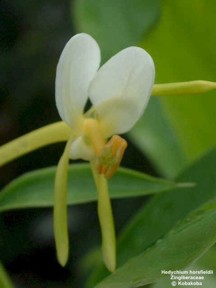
(115, 24)
(182, 46)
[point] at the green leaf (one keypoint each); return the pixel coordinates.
(182, 45)
(5, 281)
(155, 135)
(183, 244)
(206, 262)
(36, 189)
(115, 24)
(163, 212)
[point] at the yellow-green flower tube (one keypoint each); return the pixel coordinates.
(46, 135)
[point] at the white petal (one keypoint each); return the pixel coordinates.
(117, 116)
(124, 85)
(80, 150)
(77, 66)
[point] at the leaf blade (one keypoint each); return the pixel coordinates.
(174, 250)
(163, 211)
(35, 189)
(115, 24)
(5, 281)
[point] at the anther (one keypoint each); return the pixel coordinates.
(111, 155)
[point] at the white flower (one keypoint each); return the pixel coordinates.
(119, 91)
